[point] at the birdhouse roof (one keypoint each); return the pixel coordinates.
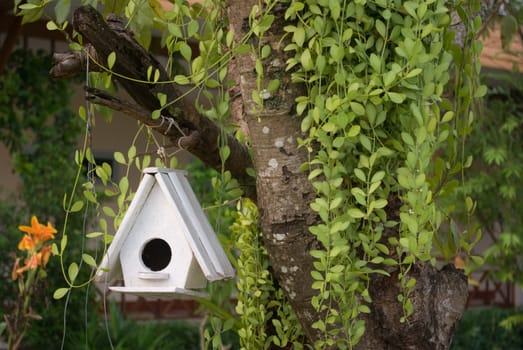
(199, 234)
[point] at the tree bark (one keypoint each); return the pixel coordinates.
(439, 300)
(284, 192)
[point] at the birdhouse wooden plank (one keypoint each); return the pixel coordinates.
(165, 246)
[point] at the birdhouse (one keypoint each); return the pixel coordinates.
(164, 246)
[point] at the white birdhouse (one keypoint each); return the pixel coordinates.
(165, 246)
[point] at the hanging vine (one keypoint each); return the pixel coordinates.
(377, 117)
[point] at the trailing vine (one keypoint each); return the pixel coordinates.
(262, 305)
(375, 113)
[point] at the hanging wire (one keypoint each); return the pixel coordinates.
(160, 151)
(90, 178)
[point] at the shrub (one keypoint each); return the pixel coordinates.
(480, 330)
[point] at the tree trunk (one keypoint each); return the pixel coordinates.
(284, 197)
(284, 193)
(439, 300)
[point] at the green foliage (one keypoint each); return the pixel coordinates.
(496, 145)
(40, 132)
(375, 117)
(262, 305)
(120, 333)
(510, 20)
(480, 330)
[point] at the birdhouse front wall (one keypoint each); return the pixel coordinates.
(156, 252)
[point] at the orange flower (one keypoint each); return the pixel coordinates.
(40, 233)
(45, 253)
(27, 243)
(33, 241)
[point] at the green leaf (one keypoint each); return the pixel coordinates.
(77, 206)
(109, 211)
(63, 243)
(299, 36)
(355, 213)
(360, 174)
(174, 30)
(273, 85)
(375, 62)
(181, 80)
(28, 6)
(447, 117)
(225, 151)
(61, 10)
(111, 59)
(119, 158)
(60, 293)
(380, 27)
(89, 260)
(131, 153)
(364, 308)
(481, 91)
(411, 7)
(197, 65)
(266, 51)
(75, 46)
(162, 98)
(243, 49)
(380, 203)
(156, 114)
(192, 28)
(354, 131)
(357, 108)
(51, 25)
(72, 271)
(94, 234)
(306, 60)
(413, 73)
(396, 97)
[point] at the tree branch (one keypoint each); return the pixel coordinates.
(130, 70)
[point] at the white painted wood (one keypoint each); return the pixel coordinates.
(111, 259)
(203, 237)
(153, 275)
(158, 220)
(161, 293)
(165, 218)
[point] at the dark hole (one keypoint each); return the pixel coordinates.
(156, 254)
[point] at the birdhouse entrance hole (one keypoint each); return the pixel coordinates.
(156, 254)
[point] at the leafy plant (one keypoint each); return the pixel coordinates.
(383, 141)
(117, 332)
(37, 250)
(497, 173)
(40, 132)
(480, 330)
